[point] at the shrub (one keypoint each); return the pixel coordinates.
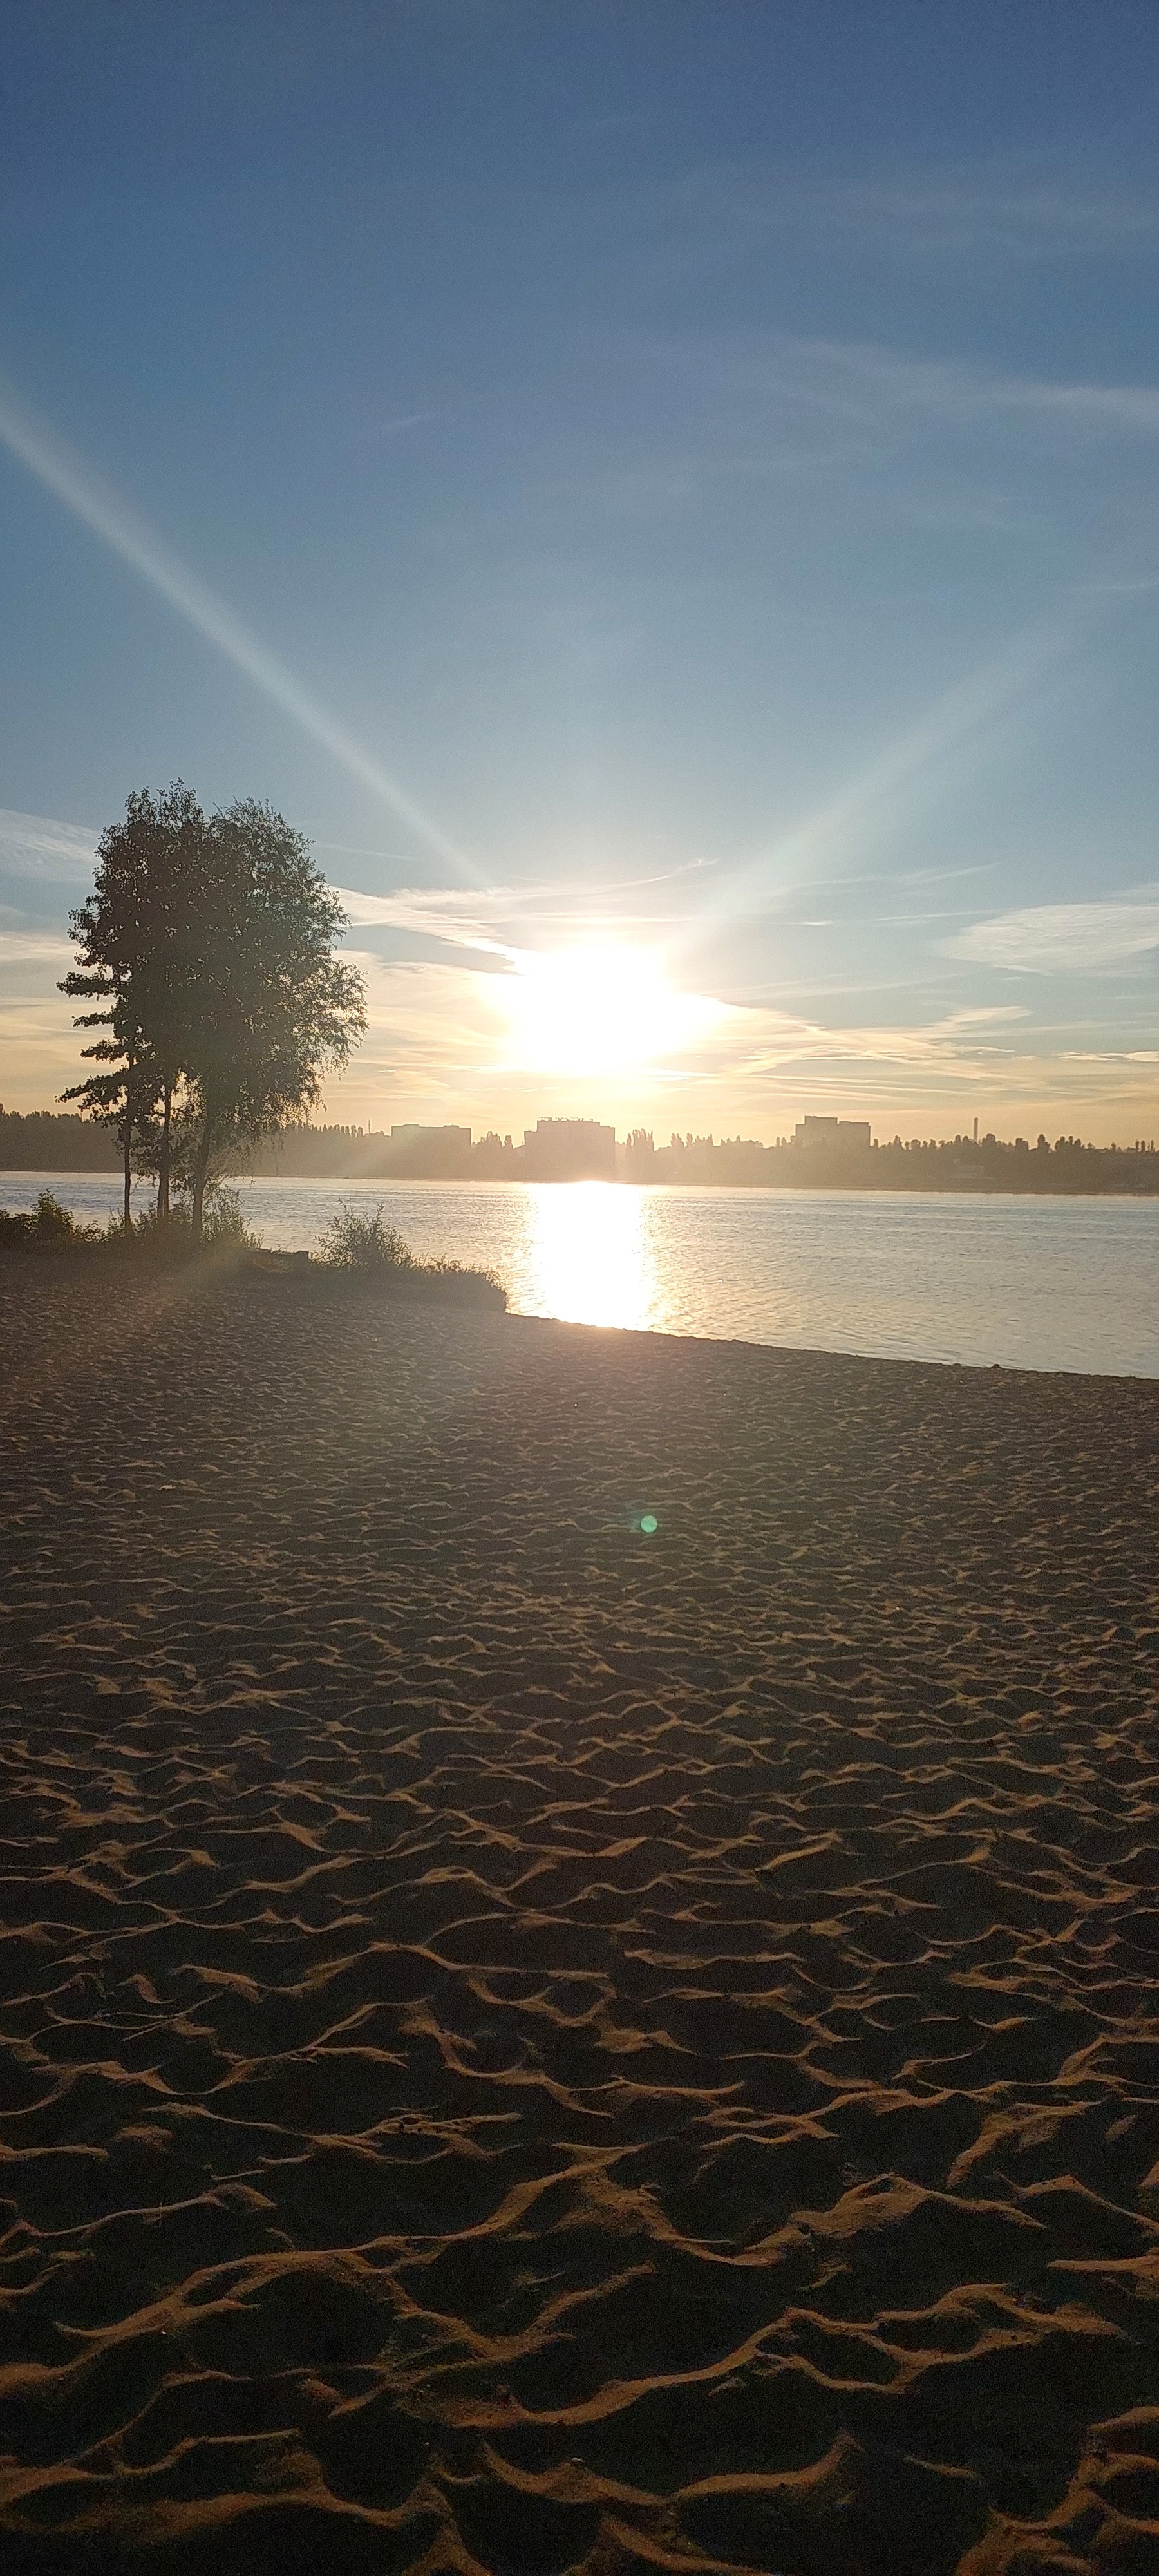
(48, 1227)
(455, 1279)
(224, 1228)
(52, 1223)
(355, 1242)
(366, 1248)
(147, 1231)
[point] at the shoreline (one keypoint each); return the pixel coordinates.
(316, 1279)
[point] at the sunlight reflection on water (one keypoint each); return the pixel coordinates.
(589, 1257)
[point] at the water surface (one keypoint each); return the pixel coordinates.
(1043, 1283)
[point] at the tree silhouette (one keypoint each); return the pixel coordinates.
(135, 936)
(271, 1006)
(210, 944)
(115, 1098)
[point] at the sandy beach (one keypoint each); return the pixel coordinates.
(534, 2045)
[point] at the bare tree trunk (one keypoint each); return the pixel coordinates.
(128, 1136)
(163, 1159)
(201, 1174)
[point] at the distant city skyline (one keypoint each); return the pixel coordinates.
(823, 1152)
(665, 497)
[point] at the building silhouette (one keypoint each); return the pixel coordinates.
(428, 1153)
(569, 1149)
(850, 1134)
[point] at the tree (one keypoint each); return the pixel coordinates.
(105, 935)
(269, 1006)
(210, 941)
(115, 1098)
(133, 934)
(161, 840)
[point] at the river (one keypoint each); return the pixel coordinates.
(1043, 1283)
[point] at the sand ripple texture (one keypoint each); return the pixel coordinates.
(530, 2045)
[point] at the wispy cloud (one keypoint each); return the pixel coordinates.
(734, 419)
(982, 209)
(395, 425)
(35, 845)
(502, 920)
(866, 385)
(434, 913)
(24, 947)
(967, 212)
(1062, 938)
(433, 1036)
(965, 1039)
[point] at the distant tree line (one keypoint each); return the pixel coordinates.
(207, 948)
(937, 1163)
(46, 1140)
(43, 1142)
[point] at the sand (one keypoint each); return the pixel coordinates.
(529, 2045)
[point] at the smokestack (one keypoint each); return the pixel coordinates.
(975, 1131)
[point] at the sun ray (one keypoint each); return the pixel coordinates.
(66, 475)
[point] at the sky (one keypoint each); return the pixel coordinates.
(666, 496)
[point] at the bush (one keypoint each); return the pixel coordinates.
(48, 1227)
(52, 1223)
(354, 1242)
(147, 1231)
(224, 1228)
(455, 1279)
(366, 1248)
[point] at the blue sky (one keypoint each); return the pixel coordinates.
(682, 477)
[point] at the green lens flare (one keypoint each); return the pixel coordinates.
(648, 1523)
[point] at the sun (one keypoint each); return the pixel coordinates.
(596, 1011)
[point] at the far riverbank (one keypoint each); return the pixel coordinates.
(958, 1165)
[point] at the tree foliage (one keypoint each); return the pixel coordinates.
(209, 943)
(275, 1007)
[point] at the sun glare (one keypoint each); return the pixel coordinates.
(597, 1010)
